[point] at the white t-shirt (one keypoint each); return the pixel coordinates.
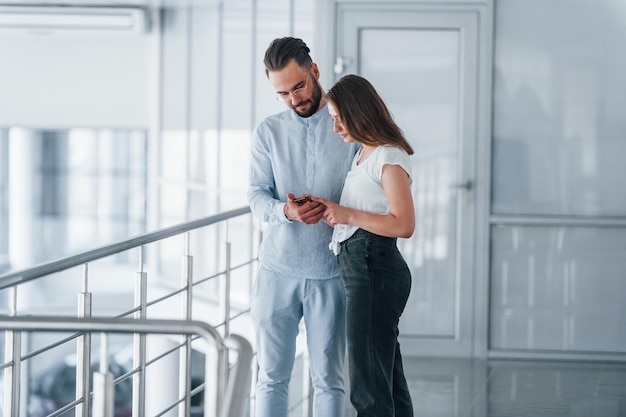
(363, 189)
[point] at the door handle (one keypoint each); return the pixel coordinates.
(467, 185)
(340, 64)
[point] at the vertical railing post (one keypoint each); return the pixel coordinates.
(83, 350)
(224, 309)
(103, 392)
(184, 387)
(226, 297)
(139, 340)
(12, 354)
(225, 290)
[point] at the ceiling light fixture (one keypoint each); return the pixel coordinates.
(68, 18)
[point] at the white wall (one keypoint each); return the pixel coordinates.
(77, 80)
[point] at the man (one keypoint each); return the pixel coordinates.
(294, 153)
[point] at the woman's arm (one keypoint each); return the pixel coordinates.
(399, 222)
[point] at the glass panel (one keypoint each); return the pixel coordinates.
(428, 69)
(174, 145)
(559, 105)
(234, 178)
(212, 67)
(558, 288)
(235, 67)
(83, 188)
(4, 196)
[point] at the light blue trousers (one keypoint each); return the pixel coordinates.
(278, 305)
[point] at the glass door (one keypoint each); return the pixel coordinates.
(423, 63)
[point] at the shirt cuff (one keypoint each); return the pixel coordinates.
(282, 215)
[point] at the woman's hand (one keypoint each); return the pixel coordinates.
(334, 213)
(398, 222)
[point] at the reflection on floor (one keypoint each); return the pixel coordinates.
(511, 388)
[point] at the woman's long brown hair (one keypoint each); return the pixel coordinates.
(364, 113)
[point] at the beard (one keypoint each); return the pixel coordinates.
(313, 102)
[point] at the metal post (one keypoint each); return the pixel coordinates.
(12, 354)
(83, 351)
(187, 279)
(139, 341)
(103, 390)
(225, 290)
(225, 306)
(184, 388)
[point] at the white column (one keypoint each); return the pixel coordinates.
(23, 157)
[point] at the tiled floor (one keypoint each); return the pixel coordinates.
(442, 387)
(511, 388)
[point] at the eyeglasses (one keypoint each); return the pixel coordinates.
(284, 96)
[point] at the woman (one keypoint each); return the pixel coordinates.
(375, 208)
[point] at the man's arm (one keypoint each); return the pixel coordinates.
(262, 186)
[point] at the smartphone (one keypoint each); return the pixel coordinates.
(301, 200)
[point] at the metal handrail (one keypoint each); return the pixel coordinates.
(238, 382)
(14, 358)
(13, 278)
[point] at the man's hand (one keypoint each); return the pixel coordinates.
(307, 212)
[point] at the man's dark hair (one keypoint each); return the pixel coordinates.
(282, 50)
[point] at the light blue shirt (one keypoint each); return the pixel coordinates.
(293, 154)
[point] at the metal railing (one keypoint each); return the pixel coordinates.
(216, 301)
(229, 385)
